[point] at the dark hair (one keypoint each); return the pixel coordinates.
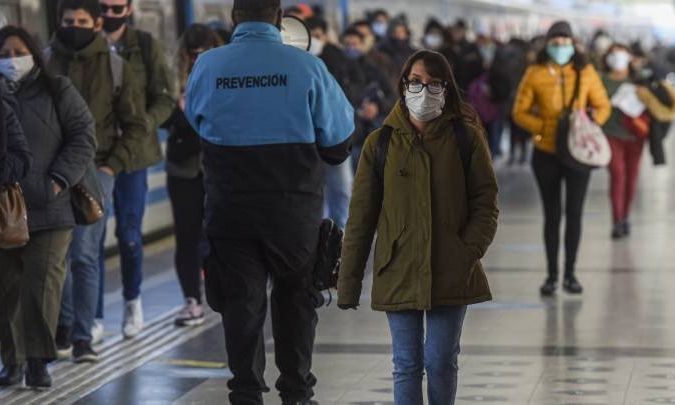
(266, 14)
(360, 23)
(317, 22)
(34, 49)
(90, 6)
(612, 48)
(195, 36)
(378, 12)
(351, 31)
(437, 66)
(580, 59)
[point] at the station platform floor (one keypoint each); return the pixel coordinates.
(615, 344)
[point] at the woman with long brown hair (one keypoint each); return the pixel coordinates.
(185, 181)
(425, 183)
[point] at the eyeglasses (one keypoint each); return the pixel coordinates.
(435, 87)
(117, 9)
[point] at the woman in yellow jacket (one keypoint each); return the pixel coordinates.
(545, 91)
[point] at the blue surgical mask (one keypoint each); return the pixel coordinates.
(353, 53)
(560, 54)
(380, 28)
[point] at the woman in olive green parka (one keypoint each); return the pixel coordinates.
(434, 223)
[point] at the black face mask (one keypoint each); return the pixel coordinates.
(75, 38)
(112, 24)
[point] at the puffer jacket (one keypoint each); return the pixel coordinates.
(659, 98)
(433, 223)
(62, 142)
(539, 101)
(15, 157)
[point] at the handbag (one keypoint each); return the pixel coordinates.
(327, 267)
(580, 143)
(13, 218)
(86, 198)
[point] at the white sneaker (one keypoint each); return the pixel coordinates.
(191, 314)
(133, 318)
(97, 332)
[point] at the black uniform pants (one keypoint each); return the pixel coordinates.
(551, 174)
(237, 274)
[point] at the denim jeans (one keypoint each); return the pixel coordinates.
(338, 192)
(437, 354)
(80, 292)
(129, 199)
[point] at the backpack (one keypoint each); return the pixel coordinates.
(461, 137)
(145, 43)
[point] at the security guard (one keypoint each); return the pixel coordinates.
(268, 114)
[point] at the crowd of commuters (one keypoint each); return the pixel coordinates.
(429, 120)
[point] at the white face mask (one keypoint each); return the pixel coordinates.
(15, 69)
(433, 41)
(380, 28)
(424, 106)
(619, 60)
(316, 47)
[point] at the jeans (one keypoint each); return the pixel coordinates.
(338, 192)
(129, 198)
(551, 174)
(623, 172)
(81, 289)
(437, 354)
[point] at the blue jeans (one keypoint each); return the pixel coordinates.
(130, 198)
(338, 192)
(437, 354)
(80, 292)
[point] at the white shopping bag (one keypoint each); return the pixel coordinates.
(587, 143)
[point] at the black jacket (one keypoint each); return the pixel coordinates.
(62, 141)
(15, 157)
(466, 61)
(183, 148)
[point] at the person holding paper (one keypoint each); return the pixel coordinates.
(627, 129)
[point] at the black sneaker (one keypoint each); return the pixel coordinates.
(37, 375)
(549, 287)
(572, 285)
(11, 375)
(83, 353)
(64, 346)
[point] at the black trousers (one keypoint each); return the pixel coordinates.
(237, 274)
(551, 174)
(187, 205)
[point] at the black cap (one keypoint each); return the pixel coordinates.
(559, 29)
(256, 4)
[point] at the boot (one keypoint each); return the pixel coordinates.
(571, 285)
(618, 231)
(549, 286)
(37, 375)
(11, 375)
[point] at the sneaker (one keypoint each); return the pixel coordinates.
(133, 318)
(626, 228)
(64, 346)
(83, 353)
(192, 314)
(97, 332)
(618, 231)
(11, 375)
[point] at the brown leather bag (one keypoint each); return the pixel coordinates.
(13, 218)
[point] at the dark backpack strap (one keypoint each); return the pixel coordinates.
(381, 150)
(463, 144)
(145, 43)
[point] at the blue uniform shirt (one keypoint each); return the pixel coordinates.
(257, 91)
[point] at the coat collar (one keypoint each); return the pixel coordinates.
(97, 46)
(256, 31)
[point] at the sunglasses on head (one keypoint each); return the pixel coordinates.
(117, 9)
